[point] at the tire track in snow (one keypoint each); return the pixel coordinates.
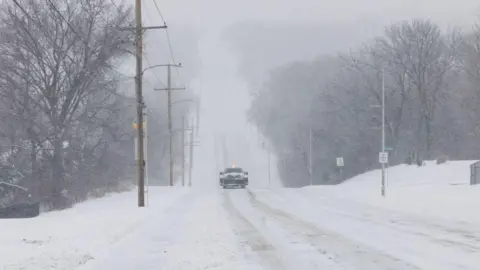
(293, 252)
(466, 242)
(344, 252)
(252, 240)
(464, 239)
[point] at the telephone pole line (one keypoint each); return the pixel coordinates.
(169, 97)
(191, 144)
(198, 114)
(190, 163)
(183, 150)
(139, 98)
(382, 155)
(310, 158)
(140, 104)
(170, 131)
(383, 131)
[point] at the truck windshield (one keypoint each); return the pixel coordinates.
(233, 170)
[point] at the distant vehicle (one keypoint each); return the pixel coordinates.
(234, 177)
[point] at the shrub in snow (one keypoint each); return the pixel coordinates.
(409, 160)
(419, 161)
(442, 159)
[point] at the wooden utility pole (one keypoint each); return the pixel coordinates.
(140, 104)
(183, 150)
(310, 158)
(169, 97)
(383, 132)
(191, 144)
(198, 114)
(170, 131)
(190, 163)
(139, 98)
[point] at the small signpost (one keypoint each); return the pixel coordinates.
(340, 162)
(340, 165)
(383, 157)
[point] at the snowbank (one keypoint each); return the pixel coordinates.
(441, 191)
(70, 238)
(429, 217)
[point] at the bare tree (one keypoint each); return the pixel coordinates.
(57, 77)
(420, 58)
(334, 96)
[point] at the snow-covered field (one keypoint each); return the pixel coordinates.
(429, 220)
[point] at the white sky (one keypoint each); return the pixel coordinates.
(190, 19)
(219, 13)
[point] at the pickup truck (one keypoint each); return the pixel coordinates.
(233, 177)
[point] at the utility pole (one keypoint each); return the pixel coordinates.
(146, 156)
(191, 144)
(169, 97)
(198, 114)
(170, 131)
(140, 104)
(383, 130)
(190, 164)
(310, 154)
(183, 150)
(139, 98)
(269, 176)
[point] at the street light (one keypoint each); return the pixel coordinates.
(383, 157)
(161, 65)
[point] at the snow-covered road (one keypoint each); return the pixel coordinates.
(212, 228)
(304, 245)
(231, 229)
(192, 234)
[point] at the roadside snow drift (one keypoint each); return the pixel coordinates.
(432, 190)
(73, 237)
(429, 217)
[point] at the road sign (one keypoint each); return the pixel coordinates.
(383, 157)
(340, 162)
(388, 148)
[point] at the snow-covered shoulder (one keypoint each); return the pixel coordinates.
(428, 218)
(441, 190)
(70, 238)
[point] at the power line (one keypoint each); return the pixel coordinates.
(146, 58)
(144, 55)
(116, 6)
(159, 12)
(20, 7)
(170, 46)
(41, 26)
(150, 65)
(167, 33)
(65, 20)
(148, 14)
